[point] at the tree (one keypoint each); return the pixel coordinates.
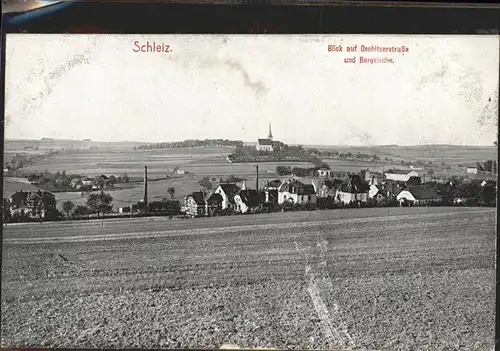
(171, 191)
(99, 203)
(68, 206)
(81, 210)
(205, 182)
(125, 178)
(488, 194)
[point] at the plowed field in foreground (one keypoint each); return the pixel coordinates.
(401, 278)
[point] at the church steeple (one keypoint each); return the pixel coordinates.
(270, 136)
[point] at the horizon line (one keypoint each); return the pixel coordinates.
(245, 142)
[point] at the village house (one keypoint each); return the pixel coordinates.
(326, 188)
(271, 191)
(376, 193)
(398, 175)
(213, 203)
(353, 190)
(76, 183)
(418, 195)
(248, 201)
(194, 204)
(324, 172)
(179, 171)
(371, 177)
(296, 192)
(227, 191)
(391, 189)
(472, 169)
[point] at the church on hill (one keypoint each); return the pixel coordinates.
(266, 144)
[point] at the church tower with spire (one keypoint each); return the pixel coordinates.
(270, 135)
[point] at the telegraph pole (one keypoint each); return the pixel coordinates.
(257, 180)
(145, 198)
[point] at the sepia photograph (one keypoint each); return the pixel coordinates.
(250, 191)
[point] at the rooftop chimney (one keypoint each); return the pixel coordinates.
(146, 187)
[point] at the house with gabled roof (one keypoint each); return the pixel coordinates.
(353, 190)
(327, 188)
(418, 195)
(376, 193)
(213, 203)
(227, 191)
(297, 192)
(248, 201)
(194, 204)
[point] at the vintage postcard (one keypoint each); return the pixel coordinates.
(259, 191)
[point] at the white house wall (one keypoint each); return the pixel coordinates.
(297, 199)
(373, 191)
(240, 204)
(225, 201)
(405, 194)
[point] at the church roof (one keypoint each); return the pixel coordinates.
(265, 142)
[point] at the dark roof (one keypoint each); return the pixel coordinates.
(274, 183)
(198, 197)
(250, 197)
(399, 171)
(299, 188)
(212, 197)
(414, 181)
(18, 198)
(230, 189)
(354, 185)
(392, 187)
(422, 192)
(265, 142)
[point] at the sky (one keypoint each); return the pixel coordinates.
(443, 90)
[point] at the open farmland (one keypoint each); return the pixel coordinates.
(126, 160)
(435, 153)
(391, 278)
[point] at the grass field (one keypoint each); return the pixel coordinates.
(392, 278)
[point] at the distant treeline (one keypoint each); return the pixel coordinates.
(24, 160)
(333, 154)
(281, 153)
(193, 143)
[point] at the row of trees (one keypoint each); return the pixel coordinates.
(61, 181)
(193, 143)
(96, 203)
(300, 171)
(280, 153)
(101, 204)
